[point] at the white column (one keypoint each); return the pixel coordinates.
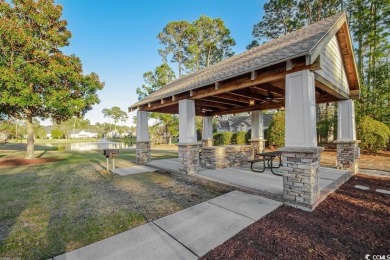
(346, 130)
(142, 126)
(300, 110)
(187, 126)
(207, 131)
(257, 131)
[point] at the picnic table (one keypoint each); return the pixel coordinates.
(267, 160)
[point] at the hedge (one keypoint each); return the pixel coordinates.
(239, 138)
(276, 130)
(224, 138)
(373, 134)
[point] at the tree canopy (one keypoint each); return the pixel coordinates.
(369, 24)
(37, 79)
(116, 114)
(195, 45)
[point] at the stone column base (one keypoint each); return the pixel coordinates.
(348, 154)
(300, 176)
(189, 157)
(142, 152)
(258, 146)
(207, 142)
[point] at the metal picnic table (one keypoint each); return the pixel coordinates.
(267, 160)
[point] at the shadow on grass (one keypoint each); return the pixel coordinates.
(20, 187)
(70, 205)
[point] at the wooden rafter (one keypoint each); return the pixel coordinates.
(231, 88)
(224, 101)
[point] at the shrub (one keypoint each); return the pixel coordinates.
(224, 138)
(56, 134)
(373, 134)
(248, 135)
(276, 130)
(239, 138)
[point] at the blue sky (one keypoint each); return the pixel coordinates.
(117, 38)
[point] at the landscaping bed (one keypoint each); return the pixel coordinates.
(349, 224)
(379, 161)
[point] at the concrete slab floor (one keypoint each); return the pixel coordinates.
(244, 177)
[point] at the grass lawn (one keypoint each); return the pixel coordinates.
(51, 208)
(53, 141)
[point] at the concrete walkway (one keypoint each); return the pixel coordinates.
(243, 178)
(187, 234)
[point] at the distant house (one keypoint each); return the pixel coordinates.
(240, 123)
(81, 133)
(3, 135)
(116, 134)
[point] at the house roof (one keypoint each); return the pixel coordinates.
(238, 120)
(305, 42)
(91, 130)
(224, 124)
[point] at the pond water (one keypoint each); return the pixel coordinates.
(90, 146)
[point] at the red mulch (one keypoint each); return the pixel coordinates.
(349, 224)
(20, 162)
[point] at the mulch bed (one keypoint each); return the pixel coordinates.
(349, 224)
(20, 162)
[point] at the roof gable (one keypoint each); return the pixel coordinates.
(307, 42)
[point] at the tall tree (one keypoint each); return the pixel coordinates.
(107, 113)
(37, 79)
(280, 17)
(372, 45)
(209, 43)
(174, 38)
(369, 23)
(155, 80)
(312, 11)
(117, 114)
(195, 45)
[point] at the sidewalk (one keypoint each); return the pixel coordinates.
(187, 234)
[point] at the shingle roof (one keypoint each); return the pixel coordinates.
(238, 120)
(224, 124)
(289, 46)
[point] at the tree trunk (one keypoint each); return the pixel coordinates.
(30, 139)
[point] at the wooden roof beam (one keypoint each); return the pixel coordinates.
(242, 95)
(224, 101)
(264, 106)
(272, 89)
(211, 104)
(232, 97)
(262, 77)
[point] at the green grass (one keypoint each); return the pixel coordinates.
(52, 208)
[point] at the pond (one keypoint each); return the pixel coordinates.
(90, 146)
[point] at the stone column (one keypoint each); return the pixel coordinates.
(257, 133)
(301, 156)
(142, 143)
(300, 176)
(348, 151)
(188, 148)
(207, 132)
(188, 157)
